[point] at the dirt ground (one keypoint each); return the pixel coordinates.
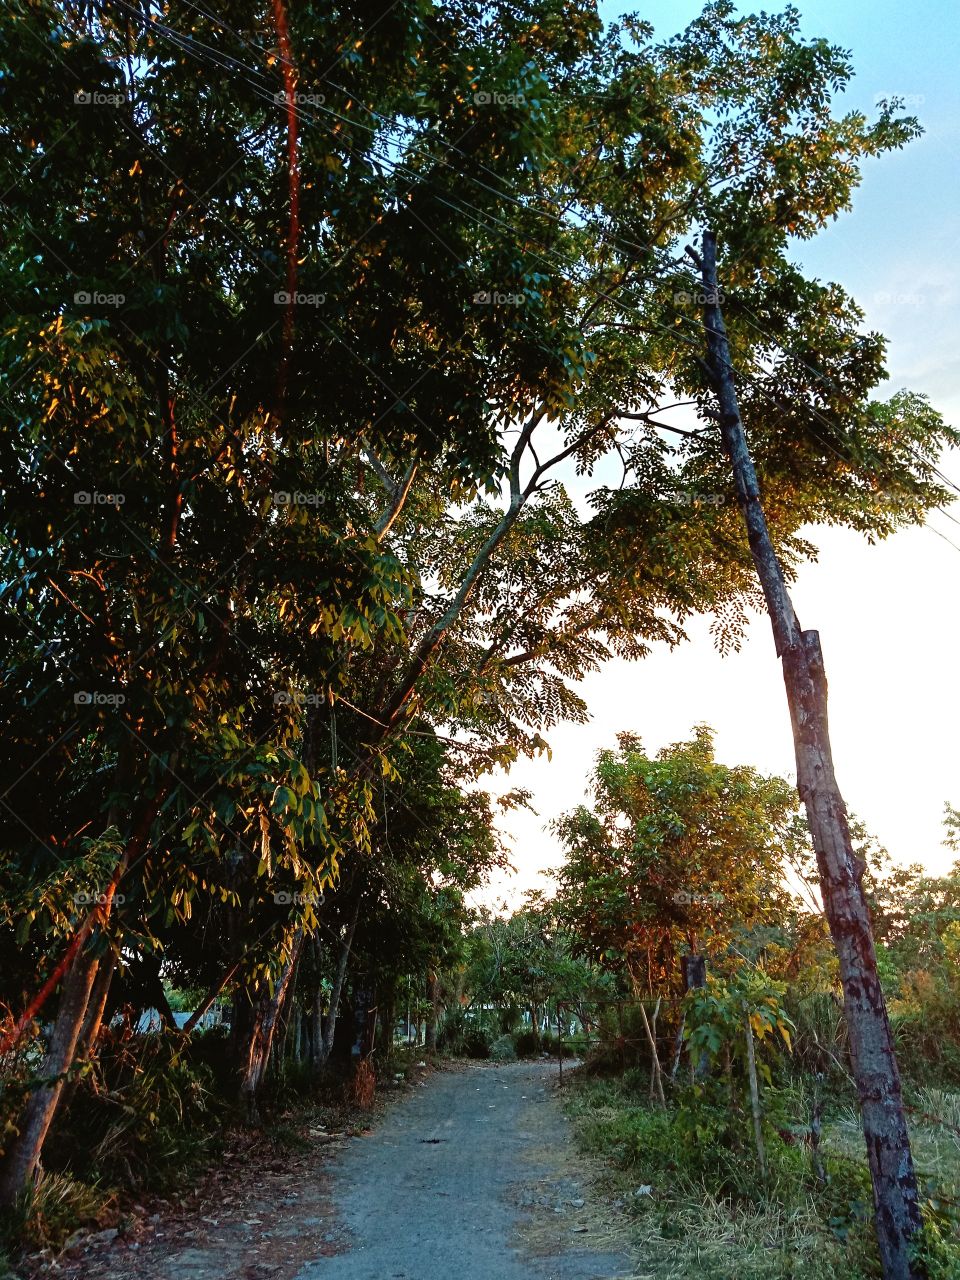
(470, 1176)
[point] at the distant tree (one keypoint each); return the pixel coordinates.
(676, 854)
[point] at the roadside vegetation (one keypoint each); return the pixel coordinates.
(735, 1145)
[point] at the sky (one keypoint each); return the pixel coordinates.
(888, 614)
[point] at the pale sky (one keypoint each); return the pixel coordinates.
(888, 615)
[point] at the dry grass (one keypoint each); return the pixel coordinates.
(717, 1239)
(679, 1228)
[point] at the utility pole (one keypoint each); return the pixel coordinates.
(896, 1207)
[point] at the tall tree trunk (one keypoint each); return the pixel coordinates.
(694, 975)
(316, 1031)
(92, 1023)
(433, 995)
(23, 1155)
(149, 966)
(896, 1208)
(97, 1006)
(388, 1022)
(295, 1032)
(260, 1041)
(535, 1024)
(330, 1021)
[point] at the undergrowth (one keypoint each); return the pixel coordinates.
(688, 1179)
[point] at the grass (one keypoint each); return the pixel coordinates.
(57, 1206)
(691, 1199)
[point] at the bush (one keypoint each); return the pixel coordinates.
(503, 1050)
(464, 1037)
(54, 1208)
(528, 1044)
(146, 1111)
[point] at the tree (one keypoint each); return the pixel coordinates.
(678, 853)
(343, 510)
(896, 1202)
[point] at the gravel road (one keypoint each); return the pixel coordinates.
(471, 1178)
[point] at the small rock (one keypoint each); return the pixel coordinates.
(104, 1237)
(578, 1204)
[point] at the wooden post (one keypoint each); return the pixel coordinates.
(896, 1208)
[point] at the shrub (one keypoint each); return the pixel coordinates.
(146, 1110)
(55, 1207)
(528, 1044)
(503, 1050)
(464, 1037)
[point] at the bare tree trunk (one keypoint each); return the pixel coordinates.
(695, 975)
(23, 1155)
(433, 995)
(896, 1208)
(295, 1032)
(330, 1021)
(149, 967)
(656, 1075)
(388, 1022)
(316, 1031)
(265, 1017)
(92, 1023)
(678, 1047)
(209, 998)
(97, 1006)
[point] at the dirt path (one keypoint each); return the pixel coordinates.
(473, 1178)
